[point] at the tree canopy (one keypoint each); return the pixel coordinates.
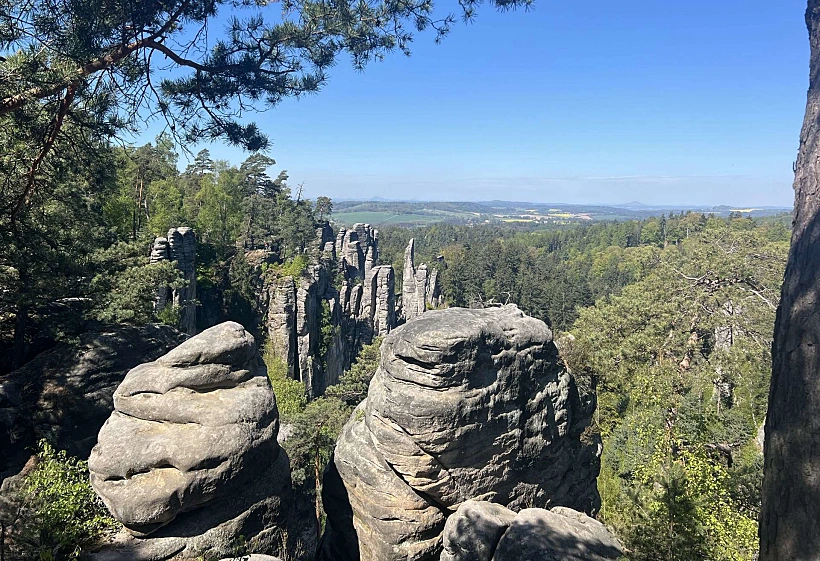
(104, 65)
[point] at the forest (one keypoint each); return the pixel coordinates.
(691, 336)
(668, 322)
(84, 255)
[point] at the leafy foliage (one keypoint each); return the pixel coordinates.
(314, 427)
(290, 394)
(125, 287)
(60, 514)
(681, 363)
(353, 384)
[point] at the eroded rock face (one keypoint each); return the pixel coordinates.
(466, 404)
(483, 531)
(363, 307)
(421, 288)
(189, 429)
(65, 394)
(179, 246)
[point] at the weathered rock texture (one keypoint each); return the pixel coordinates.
(420, 286)
(65, 394)
(195, 430)
(483, 531)
(466, 404)
(363, 307)
(180, 247)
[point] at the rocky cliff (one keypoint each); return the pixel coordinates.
(420, 286)
(315, 328)
(466, 404)
(180, 247)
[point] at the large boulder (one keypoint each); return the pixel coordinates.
(65, 394)
(195, 430)
(466, 404)
(482, 531)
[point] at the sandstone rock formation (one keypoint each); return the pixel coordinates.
(483, 531)
(252, 557)
(65, 393)
(420, 286)
(195, 430)
(180, 247)
(362, 308)
(466, 404)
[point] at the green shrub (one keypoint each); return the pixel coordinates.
(290, 394)
(170, 315)
(353, 384)
(295, 267)
(60, 514)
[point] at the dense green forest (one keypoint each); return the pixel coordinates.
(668, 323)
(83, 254)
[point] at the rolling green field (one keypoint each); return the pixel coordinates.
(376, 218)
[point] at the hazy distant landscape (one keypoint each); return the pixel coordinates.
(422, 213)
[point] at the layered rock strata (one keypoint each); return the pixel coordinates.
(195, 430)
(483, 531)
(362, 308)
(180, 247)
(421, 288)
(466, 404)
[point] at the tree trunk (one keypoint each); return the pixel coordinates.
(790, 514)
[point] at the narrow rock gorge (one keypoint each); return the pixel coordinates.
(465, 405)
(359, 307)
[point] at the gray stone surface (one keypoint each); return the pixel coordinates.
(281, 322)
(473, 532)
(560, 534)
(258, 516)
(179, 246)
(421, 288)
(409, 293)
(466, 404)
(66, 394)
(191, 428)
(482, 531)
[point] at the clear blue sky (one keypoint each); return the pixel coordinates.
(693, 102)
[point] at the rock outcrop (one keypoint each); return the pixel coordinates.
(483, 531)
(180, 247)
(195, 430)
(420, 286)
(363, 307)
(65, 394)
(466, 404)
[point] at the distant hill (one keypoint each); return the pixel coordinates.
(383, 212)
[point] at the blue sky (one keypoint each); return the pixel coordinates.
(695, 102)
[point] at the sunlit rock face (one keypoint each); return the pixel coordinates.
(180, 247)
(482, 531)
(466, 404)
(188, 430)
